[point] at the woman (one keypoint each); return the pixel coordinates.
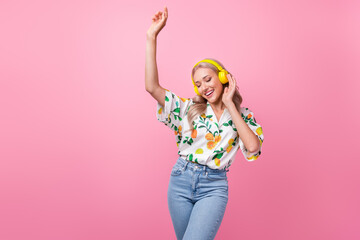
(209, 129)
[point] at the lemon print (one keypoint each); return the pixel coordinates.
(160, 111)
(210, 145)
(183, 99)
(250, 158)
(231, 141)
(217, 162)
(209, 136)
(180, 129)
(203, 115)
(199, 151)
(253, 157)
(260, 142)
(259, 130)
(248, 116)
(228, 149)
(177, 144)
(217, 138)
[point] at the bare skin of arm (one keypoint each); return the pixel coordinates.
(247, 136)
(151, 73)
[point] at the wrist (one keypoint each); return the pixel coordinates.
(151, 36)
(229, 104)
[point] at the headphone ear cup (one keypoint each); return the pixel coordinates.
(196, 90)
(222, 77)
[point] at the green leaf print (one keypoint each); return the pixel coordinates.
(166, 98)
(204, 125)
(254, 124)
(218, 154)
(225, 124)
(188, 141)
(190, 156)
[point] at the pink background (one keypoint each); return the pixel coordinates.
(83, 156)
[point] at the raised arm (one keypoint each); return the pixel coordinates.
(151, 74)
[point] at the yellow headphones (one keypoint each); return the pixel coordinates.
(222, 74)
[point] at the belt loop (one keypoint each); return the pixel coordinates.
(185, 165)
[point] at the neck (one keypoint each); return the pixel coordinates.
(218, 106)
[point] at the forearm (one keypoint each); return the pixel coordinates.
(246, 135)
(151, 72)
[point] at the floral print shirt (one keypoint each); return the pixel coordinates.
(213, 143)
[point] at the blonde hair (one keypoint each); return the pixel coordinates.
(200, 103)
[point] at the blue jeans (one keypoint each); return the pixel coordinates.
(197, 199)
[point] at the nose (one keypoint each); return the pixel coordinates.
(205, 87)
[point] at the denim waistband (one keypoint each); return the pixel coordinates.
(192, 165)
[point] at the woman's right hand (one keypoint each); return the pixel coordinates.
(159, 21)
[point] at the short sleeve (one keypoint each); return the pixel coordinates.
(174, 110)
(249, 118)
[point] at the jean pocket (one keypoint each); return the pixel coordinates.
(176, 170)
(216, 176)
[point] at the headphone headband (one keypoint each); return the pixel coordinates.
(222, 73)
(208, 61)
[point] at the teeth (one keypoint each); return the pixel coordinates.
(209, 93)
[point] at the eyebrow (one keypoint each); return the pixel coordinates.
(202, 78)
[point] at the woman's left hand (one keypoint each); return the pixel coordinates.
(228, 94)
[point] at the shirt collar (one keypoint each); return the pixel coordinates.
(224, 117)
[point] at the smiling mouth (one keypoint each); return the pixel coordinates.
(209, 93)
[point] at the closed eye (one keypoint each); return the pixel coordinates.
(206, 81)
